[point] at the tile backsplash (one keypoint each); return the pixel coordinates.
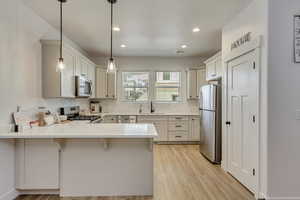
(125, 107)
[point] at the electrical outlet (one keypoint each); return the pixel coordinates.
(298, 114)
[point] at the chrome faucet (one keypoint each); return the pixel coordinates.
(141, 108)
(152, 109)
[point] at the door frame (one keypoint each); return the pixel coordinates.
(254, 45)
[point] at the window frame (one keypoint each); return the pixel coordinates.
(123, 88)
(154, 97)
(151, 86)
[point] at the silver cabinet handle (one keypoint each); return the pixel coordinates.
(178, 126)
(177, 136)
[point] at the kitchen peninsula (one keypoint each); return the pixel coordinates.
(83, 159)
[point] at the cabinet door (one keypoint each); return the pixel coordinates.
(162, 129)
(201, 80)
(195, 129)
(219, 68)
(211, 72)
(38, 164)
(111, 85)
(67, 75)
(101, 83)
(92, 77)
(192, 84)
(82, 66)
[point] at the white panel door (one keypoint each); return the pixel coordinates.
(243, 114)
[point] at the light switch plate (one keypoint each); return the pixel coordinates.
(298, 114)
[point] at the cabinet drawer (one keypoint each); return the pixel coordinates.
(178, 126)
(152, 118)
(178, 118)
(178, 136)
(110, 119)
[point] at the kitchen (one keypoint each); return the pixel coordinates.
(149, 100)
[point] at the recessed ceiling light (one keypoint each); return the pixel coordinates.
(196, 29)
(117, 29)
(183, 46)
(123, 45)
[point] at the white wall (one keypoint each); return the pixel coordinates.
(252, 19)
(284, 100)
(20, 75)
(153, 64)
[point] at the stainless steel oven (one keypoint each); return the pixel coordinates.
(83, 86)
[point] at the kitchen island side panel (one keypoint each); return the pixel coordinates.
(125, 168)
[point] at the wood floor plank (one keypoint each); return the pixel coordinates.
(180, 173)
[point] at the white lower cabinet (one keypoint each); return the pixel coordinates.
(37, 164)
(174, 128)
(178, 136)
(195, 128)
(161, 125)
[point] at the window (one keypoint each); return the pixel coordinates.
(167, 86)
(135, 86)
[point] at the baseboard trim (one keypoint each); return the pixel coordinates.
(10, 195)
(178, 142)
(282, 198)
(36, 192)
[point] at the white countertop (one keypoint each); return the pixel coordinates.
(83, 129)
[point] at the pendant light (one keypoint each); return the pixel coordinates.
(111, 66)
(60, 64)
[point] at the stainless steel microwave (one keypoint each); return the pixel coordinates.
(83, 86)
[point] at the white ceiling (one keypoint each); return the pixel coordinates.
(148, 27)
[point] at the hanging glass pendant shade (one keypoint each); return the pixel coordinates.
(111, 65)
(61, 65)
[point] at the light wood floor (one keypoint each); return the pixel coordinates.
(181, 173)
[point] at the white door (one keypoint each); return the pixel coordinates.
(243, 118)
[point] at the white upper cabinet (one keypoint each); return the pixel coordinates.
(67, 75)
(101, 81)
(62, 84)
(214, 67)
(105, 84)
(192, 84)
(92, 78)
(196, 78)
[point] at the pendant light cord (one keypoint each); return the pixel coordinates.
(111, 30)
(61, 27)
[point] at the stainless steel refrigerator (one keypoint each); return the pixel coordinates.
(211, 121)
